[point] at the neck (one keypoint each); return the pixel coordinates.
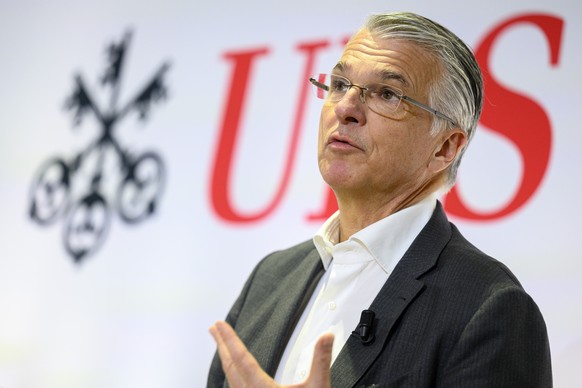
(360, 211)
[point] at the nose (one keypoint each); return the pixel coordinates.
(352, 107)
(361, 91)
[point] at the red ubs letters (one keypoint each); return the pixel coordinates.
(516, 117)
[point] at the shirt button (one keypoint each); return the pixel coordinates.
(303, 374)
(332, 306)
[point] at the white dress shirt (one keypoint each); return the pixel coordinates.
(355, 271)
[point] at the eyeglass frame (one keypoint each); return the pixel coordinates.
(398, 93)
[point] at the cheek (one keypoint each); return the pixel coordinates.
(327, 116)
(326, 122)
(396, 148)
(320, 138)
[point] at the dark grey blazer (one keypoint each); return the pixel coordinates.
(448, 316)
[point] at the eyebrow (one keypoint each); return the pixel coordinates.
(391, 75)
(385, 75)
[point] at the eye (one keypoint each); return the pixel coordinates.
(387, 94)
(338, 84)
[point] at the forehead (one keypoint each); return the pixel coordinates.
(369, 58)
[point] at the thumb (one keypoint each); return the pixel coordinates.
(319, 374)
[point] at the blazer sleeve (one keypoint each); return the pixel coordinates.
(505, 344)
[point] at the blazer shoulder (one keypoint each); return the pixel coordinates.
(286, 259)
(472, 264)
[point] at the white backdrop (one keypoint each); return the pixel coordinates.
(135, 312)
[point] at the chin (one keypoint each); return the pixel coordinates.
(339, 179)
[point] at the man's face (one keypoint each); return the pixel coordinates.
(364, 154)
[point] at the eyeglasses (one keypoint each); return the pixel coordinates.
(380, 98)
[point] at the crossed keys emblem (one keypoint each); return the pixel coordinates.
(103, 177)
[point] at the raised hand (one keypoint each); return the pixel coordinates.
(242, 369)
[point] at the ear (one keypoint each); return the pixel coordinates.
(448, 148)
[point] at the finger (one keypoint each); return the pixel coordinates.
(319, 374)
(223, 351)
(241, 368)
(235, 347)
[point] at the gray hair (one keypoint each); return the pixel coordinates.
(458, 92)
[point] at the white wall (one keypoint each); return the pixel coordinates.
(136, 312)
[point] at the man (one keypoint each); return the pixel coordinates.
(400, 107)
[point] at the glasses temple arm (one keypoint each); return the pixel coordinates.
(319, 84)
(431, 110)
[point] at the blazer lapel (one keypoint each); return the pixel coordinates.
(276, 317)
(397, 293)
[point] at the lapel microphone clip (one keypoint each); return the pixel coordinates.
(366, 327)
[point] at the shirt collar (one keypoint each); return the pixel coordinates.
(386, 240)
(326, 237)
